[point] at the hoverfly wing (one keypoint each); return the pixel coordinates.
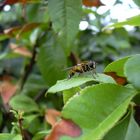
(66, 69)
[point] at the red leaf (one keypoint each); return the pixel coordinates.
(16, 1)
(120, 80)
(19, 30)
(20, 50)
(7, 89)
(26, 28)
(91, 3)
(10, 2)
(12, 31)
(51, 116)
(64, 128)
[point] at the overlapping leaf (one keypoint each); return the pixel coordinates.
(132, 71)
(77, 81)
(98, 108)
(127, 129)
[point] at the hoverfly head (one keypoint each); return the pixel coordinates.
(92, 64)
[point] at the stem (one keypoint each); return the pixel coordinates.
(21, 130)
(29, 67)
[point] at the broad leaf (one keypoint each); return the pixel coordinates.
(51, 62)
(69, 93)
(117, 66)
(65, 16)
(127, 129)
(77, 81)
(23, 102)
(98, 108)
(134, 21)
(132, 71)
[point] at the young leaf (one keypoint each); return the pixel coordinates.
(64, 128)
(134, 21)
(77, 81)
(132, 71)
(23, 102)
(128, 129)
(65, 16)
(98, 108)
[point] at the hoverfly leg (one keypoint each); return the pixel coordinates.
(94, 74)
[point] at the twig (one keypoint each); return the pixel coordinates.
(21, 129)
(29, 67)
(39, 95)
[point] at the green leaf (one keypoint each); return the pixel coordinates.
(51, 61)
(17, 137)
(40, 135)
(132, 71)
(127, 129)
(133, 21)
(65, 16)
(117, 66)
(23, 102)
(6, 136)
(67, 94)
(98, 108)
(137, 2)
(28, 120)
(77, 81)
(3, 37)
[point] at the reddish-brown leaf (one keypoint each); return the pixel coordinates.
(17, 1)
(19, 30)
(12, 31)
(120, 80)
(20, 50)
(51, 116)
(7, 89)
(26, 28)
(91, 3)
(64, 128)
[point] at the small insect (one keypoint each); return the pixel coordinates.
(82, 67)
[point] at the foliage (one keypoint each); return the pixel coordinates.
(38, 42)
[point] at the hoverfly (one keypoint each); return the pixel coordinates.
(81, 68)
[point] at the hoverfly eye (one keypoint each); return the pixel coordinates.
(92, 65)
